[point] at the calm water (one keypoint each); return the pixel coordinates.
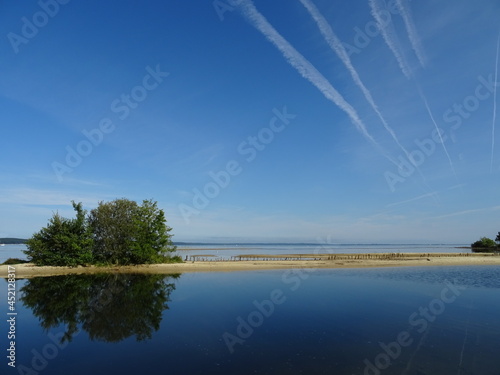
(436, 320)
(226, 251)
(12, 251)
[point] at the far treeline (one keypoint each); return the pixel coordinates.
(118, 232)
(486, 245)
(12, 241)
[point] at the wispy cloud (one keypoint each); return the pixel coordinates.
(424, 99)
(337, 46)
(388, 33)
(200, 159)
(404, 9)
(289, 227)
(306, 69)
(433, 195)
(390, 37)
(40, 197)
(494, 107)
(466, 212)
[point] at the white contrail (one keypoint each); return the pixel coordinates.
(494, 107)
(404, 9)
(392, 41)
(432, 194)
(337, 46)
(387, 30)
(424, 99)
(305, 68)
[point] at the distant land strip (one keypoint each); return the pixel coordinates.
(28, 270)
(12, 241)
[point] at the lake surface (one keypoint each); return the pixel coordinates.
(226, 251)
(434, 320)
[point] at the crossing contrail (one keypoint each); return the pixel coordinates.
(392, 41)
(389, 35)
(404, 10)
(337, 46)
(306, 69)
(494, 107)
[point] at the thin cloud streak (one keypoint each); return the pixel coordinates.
(389, 35)
(494, 108)
(405, 11)
(337, 46)
(41, 197)
(306, 69)
(391, 40)
(428, 195)
(466, 212)
(424, 99)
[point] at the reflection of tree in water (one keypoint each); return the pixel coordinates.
(110, 307)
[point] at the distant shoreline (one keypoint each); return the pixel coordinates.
(28, 270)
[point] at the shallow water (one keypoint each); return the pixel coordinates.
(229, 251)
(226, 251)
(437, 320)
(12, 251)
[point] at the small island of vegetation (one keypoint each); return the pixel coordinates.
(120, 232)
(486, 245)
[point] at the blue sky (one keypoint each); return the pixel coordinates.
(283, 120)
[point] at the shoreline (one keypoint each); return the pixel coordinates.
(339, 261)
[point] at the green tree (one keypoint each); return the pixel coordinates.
(152, 239)
(113, 231)
(64, 242)
(497, 239)
(484, 245)
(127, 233)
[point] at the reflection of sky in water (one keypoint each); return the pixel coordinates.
(470, 276)
(328, 321)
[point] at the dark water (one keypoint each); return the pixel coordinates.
(436, 320)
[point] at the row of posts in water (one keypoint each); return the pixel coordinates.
(318, 257)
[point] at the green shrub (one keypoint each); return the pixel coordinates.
(127, 233)
(117, 232)
(64, 242)
(484, 245)
(14, 261)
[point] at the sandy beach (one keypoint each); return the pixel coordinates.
(28, 270)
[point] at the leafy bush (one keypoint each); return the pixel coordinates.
(117, 232)
(14, 261)
(127, 233)
(484, 245)
(64, 242)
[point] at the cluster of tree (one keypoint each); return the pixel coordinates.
(118, 232)
(486, 245)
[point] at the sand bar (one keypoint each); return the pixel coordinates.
(341, 261)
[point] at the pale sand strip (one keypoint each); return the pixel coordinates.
(402, 260)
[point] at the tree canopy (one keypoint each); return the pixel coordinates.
(117, 232)
(64, 241)
(484, 245)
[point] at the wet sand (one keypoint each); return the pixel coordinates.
(28, 270)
